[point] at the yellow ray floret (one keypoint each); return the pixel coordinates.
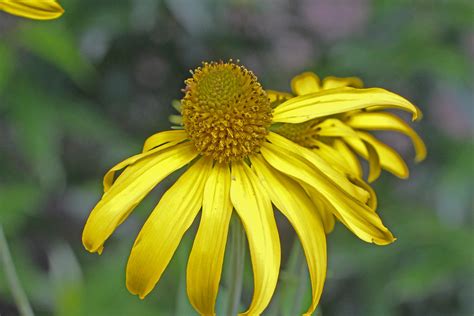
(33, 9)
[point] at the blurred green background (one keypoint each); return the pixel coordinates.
(81, 93)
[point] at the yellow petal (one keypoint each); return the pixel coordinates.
(159, 142)
(305, 83)
(374, 163)
(337, 82)
(335, 101)
(33, 9)
(390, 160)
(372, 202)
(160, 139)
(349, 156)
(338, 162)
(163, 230)
(324, 209)
(129, 189)
(207, 255)
(388, 122)
(338, 178)
(290, 198)
(332, 156)
(357, 216)
(255, 211)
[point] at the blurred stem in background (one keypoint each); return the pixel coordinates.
(18, 293)
(294, 282)
(236, 265)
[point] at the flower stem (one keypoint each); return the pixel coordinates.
(237, 261)
(18, 293)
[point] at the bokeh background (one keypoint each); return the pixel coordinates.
(81, 93)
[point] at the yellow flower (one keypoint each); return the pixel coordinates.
(33, 9)
(340, 136)
(235, 162)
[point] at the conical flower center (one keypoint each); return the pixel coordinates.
(226, 112)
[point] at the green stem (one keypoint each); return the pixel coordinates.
(18, 293)
(302, 282)
(237, 261)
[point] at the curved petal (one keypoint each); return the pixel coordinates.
(320, 164)
(332, 156)
(38, 10)
(207, 255)
(374, 162)
(307, 82)
(129, 189)
(372, 202)
(160, 142)
(255, 211)
(324, 208)
(290, 198)
(390, 160)
(339, 82)
(357, 216)
(337, 161)
(349, 156)
(388, 122)
(162, 138)
(335, 101)
(163, 230)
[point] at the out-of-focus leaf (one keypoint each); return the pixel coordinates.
(55, 43)
(34, 117)
(18, 202)
(7, 62)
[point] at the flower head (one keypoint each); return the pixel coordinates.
(33, 9)
(338, 126)
(235, 162)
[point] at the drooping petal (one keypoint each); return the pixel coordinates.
(292, 201)
(320, 164)
(334, 101)
(357, 216)
(164, 229)
(255, 211)
(372, 202)
(324, 208)
(307, 82)
(129, 189)
(389, 122)
(162, 138)
(332, 156)
(374, 162)
(207, 255)
(390, 160)
(338, 82)
(337, 161)
(33, 9)
(351, 159)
